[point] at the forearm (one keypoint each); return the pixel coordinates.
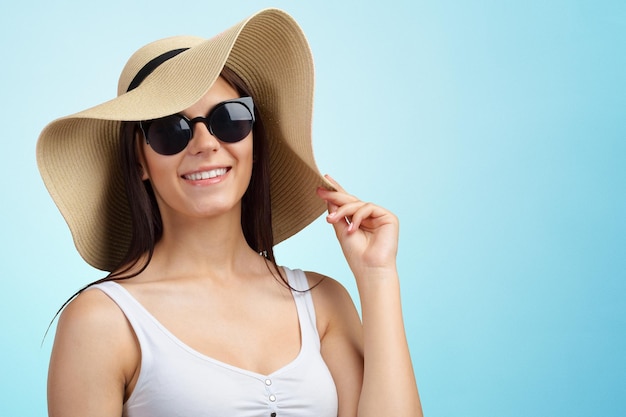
(389, 386)
(368, 235)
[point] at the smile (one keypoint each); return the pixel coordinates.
(205, 175)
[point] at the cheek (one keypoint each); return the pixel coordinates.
(248, 157)
(157, 168)
(241, 151)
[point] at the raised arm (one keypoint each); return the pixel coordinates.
(368, 235)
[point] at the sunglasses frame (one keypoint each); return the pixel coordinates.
(245, 101)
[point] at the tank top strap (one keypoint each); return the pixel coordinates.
(304, 304)
(148, 332)
(134, 312)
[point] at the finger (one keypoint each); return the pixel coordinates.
(338, 198)
(345, 210)
(341, 205)
(332, 208)
(340, 223)
(362, 215)
(367, 214)
(335, 183)
(351, 214)
(330, 204)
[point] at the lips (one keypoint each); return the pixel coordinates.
(205, 175)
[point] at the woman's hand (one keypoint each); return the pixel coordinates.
(367, 233)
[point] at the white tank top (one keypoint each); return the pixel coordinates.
(176, 380)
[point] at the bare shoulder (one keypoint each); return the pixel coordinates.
(92, 311)
(94, 357)
(333, 303)
(93, 325)
(327, 288)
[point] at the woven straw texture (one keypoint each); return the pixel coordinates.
(78, 157)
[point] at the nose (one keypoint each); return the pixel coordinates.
(202, 139)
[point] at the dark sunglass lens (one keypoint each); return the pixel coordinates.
(169, 135)
(231, 122)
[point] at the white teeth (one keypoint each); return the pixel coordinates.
(205, 175)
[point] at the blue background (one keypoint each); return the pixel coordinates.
(494, 129)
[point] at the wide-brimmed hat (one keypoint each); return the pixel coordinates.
(78, 155)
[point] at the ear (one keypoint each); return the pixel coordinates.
(141, 159)
(142, 172)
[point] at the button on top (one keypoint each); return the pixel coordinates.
(268, 382)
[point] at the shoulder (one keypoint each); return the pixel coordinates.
(91, 308)
(333, 304)
(327, 289)
(93, 357)
(93, 321)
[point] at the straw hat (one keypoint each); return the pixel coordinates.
(78, 157)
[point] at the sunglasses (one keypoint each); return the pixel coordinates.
(229, 121)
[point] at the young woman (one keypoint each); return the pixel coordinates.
(179, 188)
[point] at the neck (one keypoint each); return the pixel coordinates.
(203, 247)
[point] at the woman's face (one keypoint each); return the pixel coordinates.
(177, 180)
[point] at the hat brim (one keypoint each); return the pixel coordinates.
(78, 155)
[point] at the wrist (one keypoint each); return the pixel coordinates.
(376, 279)
(385, 272)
